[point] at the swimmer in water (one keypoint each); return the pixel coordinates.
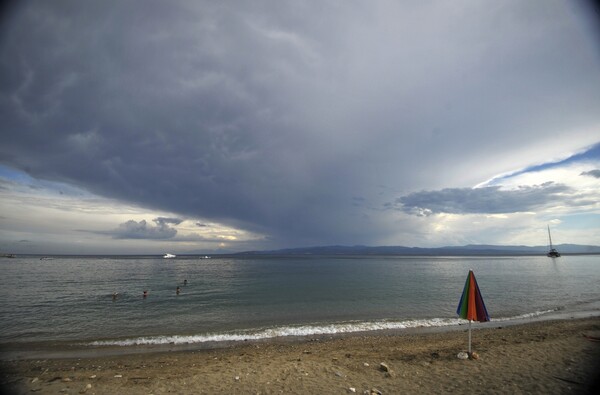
(145, 294)
(178, 290)
(185, 282)
(114, 295)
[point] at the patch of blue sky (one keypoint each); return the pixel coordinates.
(21, 181)
(10, 174)
(590, 154)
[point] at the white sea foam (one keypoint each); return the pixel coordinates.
(526, 315)
(301, 330)
(269, 333)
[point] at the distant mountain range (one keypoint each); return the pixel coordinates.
(458, 250)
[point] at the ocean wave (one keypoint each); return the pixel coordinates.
(528, 315)
(302, 331)
(284, 331)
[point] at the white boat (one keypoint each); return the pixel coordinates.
(168, 256)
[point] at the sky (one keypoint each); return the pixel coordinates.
(146, 127)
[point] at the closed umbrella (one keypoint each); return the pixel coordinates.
(471, 306)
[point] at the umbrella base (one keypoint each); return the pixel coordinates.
(467, 355)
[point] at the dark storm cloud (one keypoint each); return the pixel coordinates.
(488, 200)
(273, 115)
(142, 230)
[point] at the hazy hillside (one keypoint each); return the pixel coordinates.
(449, 250)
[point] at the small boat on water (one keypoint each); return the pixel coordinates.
(553, 253)
(169, 256)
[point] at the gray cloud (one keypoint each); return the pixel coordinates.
(592, 173)
(163, 221)
(272, 116)
(488, 200)
(142, 230)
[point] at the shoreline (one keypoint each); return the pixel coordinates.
(176, 343)
(538, 356)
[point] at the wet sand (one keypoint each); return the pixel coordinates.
(551, 357)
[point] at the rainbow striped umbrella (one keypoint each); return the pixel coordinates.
(471, 306)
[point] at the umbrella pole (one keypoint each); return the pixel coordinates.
(469, 337)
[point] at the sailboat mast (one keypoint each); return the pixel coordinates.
(552, 253)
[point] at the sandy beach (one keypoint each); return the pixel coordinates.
(552, 357)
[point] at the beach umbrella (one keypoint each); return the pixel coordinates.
(471, 306)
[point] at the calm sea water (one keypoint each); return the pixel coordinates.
(70, 299)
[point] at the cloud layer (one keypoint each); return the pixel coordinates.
(141, 230)
(298, 121)
(488, 200)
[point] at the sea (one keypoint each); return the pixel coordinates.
(73, 304)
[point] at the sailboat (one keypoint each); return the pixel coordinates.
(552, 253)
